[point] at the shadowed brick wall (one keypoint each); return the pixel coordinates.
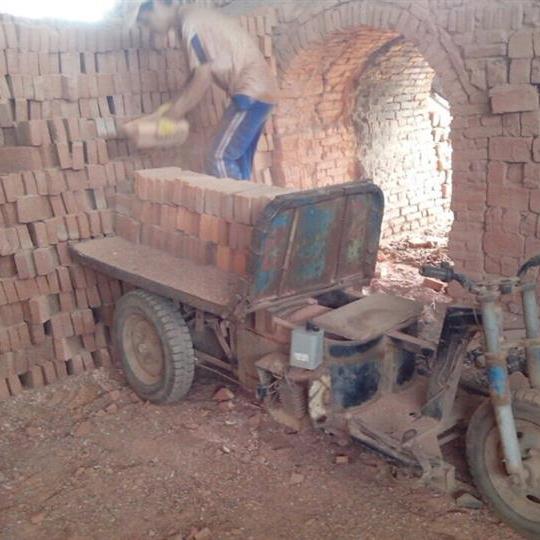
(396, 146)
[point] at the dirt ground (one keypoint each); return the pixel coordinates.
(86, 459)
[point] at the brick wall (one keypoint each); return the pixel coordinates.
(395, 136)
(487, 58)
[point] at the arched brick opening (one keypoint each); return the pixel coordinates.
(402, 127)
(332, 64)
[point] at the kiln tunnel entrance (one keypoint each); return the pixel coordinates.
(365, 103)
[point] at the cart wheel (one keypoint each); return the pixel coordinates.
(518, 507)
(154, 345)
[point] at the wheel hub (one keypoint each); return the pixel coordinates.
(522, 496)
(143, 349)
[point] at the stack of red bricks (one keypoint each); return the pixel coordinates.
(205, 219)
(64, 88)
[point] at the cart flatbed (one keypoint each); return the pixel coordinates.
(204, 287)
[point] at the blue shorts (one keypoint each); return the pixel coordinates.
(233, 146)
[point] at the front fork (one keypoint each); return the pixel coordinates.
(499, 386)
(532, 327)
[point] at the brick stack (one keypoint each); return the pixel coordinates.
(205, 219)
(64, 90)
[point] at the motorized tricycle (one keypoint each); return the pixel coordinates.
(298, 332)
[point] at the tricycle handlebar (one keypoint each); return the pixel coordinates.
(526, 266)
(446, 273)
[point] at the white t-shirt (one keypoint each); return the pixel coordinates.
(237, 64)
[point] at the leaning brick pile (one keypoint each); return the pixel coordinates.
(64, 90)
(204, 219)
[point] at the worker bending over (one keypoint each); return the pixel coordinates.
(218, 50)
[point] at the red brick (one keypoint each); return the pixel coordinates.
(10, 290)
(56, 230)
(29, 133)
(89, 343)
(67, 301)
(72, 226)
(13, 186)
(128, 228)
(66, 348)
(75, 365)
(60, 326)
(106, 221)
(34, 377)
(38, 232)
(77, 155)
(92, 294)
(42, 308)
(45, 260)
(24, 237)
(56, 184)
(4, 390)
(9, 241)
(90, 276)
(61, 369)
(63, 253)
(239, 262)
(14, 385)
(24, 263)
(43, 285)
(224, 258)
(33, 208)
(520, 44)
(64, 156)
(510, 149)
(76, 319)
(83, 225)
(49, 372)
(536, 149)
(501, 244)
(37, 333)
(508, 196)
(514, 98)
(239, 236)
(64, 279)
(19, 158)
(29, 181)
(53, 283)
(82, 300)
(102, 358)
(57, 205)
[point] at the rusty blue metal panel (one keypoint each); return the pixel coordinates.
(268, 263)
(314, 240)
(313, 248)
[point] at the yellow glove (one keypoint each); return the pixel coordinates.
(163, 109)
(165, 128)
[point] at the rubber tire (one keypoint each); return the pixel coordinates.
(526, 405)
(179, 365)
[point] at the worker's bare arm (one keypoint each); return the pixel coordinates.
(192, 94)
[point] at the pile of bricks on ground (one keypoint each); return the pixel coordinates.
(204, 219)
(64, 88)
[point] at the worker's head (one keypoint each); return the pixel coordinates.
(156, 15)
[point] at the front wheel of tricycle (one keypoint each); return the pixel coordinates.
(154, 346)
(518, 506)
